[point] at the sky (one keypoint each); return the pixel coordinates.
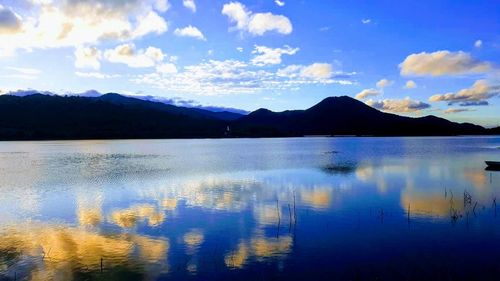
(411, 58)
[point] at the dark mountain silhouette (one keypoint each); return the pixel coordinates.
(345, 116)
(112, 115)
(494, 131)
(108, 116)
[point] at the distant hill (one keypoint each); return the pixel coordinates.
(113, 116)
(108, 116)
(494, 131)
(345, 116)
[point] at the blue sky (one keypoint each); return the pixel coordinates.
(407, 57)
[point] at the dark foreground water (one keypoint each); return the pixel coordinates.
(250, 209)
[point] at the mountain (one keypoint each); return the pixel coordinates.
(112, 116)
(494, 131)
(108, 116)
(344, 116)
(223, 113)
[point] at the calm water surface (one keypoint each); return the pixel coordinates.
(250, 209)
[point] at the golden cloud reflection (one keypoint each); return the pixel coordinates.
(91, 217)
(58, 252)
(317, 197)
(216, 193)
(237, 258)
(477, 177)
(193, 239)
(425, 203)
(266, 214)
(258, 247)
(169, 204)
(89, 211)
(379, 175)
(128, 218)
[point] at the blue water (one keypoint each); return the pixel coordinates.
(250, 209)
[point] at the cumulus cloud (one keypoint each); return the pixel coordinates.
(382, 83)
(366, 21)
(150, 23)
(10, 22)
(442, 63)
(161, 5)
(190, 4)
(315, 71)
(256, 23)
(456, 110)
(127, 54)
(87, 57)
(478, 44)
(190, 31)
(279, 3)
(73, 23)
(166, 68)
(367, 93)
(266, 55)
(398, 105)
(410, 84)
(216, 77)
(477, 94)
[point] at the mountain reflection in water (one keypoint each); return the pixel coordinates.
(395, 208)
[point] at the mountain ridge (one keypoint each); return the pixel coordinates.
(112, 116)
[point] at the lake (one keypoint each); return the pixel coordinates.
(420, 208)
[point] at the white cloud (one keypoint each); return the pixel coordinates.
(398, 105)
(239, 49)
(166, 68)
(410, 84)
(367, 93)
(366, 21)
(279, 3)
(151, 23)
(316, 71)
(161, 5)
(478, 44)
(382, 83)
(236, 77)
(237, 13)
(87, 57)
(263, 22)
(73, 23)
(477, 94)
(96, 75)
(443, 63)
(190, 4)
(127, 54)
(256, 23)
(266, 55)
(190, 31)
